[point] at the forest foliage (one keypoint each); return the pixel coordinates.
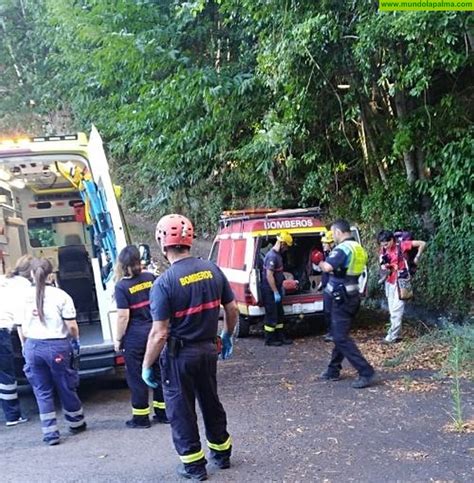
(218, 104)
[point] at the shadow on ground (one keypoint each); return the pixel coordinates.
(287, 425)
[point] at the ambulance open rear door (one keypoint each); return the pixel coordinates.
(99, 168)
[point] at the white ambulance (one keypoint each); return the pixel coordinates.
(57, 201)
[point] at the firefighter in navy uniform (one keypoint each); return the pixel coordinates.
(271, 288)
(185, 302)
(345, 264)
(132, 295)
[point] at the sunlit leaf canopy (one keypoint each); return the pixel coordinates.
(212, 105)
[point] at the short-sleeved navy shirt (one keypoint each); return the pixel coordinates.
(339, 260)
(273, 261)
(134, 294)
(189, 295)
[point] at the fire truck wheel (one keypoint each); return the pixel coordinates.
(243, 327)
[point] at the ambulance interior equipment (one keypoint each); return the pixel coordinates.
(57, 201)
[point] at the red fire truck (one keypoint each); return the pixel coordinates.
(240, 246)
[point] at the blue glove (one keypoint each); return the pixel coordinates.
(227, 345)
(76, 346)
(277, 297)
(149, 377)
(75, 356)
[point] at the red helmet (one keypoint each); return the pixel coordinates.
(174, 230)
(317, 257)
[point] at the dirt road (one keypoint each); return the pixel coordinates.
(286, 424)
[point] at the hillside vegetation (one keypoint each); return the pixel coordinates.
(210, 105)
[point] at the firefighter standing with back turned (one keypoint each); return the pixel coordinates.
(345, 264)
(132, 295)
(271, 287)
(185, 303)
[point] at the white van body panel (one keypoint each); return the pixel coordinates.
(37, 161)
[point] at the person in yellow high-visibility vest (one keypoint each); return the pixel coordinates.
(345, 264)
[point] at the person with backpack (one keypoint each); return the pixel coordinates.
(394, 262)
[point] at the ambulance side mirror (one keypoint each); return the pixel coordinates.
(145, 253)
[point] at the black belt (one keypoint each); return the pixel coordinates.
(174, 344)
(184, 342)
(46, 340)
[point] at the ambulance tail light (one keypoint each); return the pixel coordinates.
(119, 360)
(249, 298)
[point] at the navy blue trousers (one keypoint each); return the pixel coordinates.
(342, 314)
(327, 306)
(188, 376)
(134, 345)
(48, 368)
(273, 311)
(8, 386)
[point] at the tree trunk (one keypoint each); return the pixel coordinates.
(365, 152)
(420, 164)
(11, 53)
(408, 155)
(368, 134)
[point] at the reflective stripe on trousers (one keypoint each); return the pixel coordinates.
(141, 412)
(221, 447)
(8, 387)
(74, 418)
(193, 457)
(49, 425)
(189, 376)
(48, 368)
(135, 345)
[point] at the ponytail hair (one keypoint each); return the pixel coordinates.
(22, 268)
(129, 262)
(41, 268)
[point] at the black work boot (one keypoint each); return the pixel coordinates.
(220, 460)
(327, 375)
(271, 339)
(138, 422)
(79, 429)
(364, 381)
(328, 337)
(160, 417)
(280, 334)
(192, 472)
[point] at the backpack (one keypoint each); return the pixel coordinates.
(402, 235)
